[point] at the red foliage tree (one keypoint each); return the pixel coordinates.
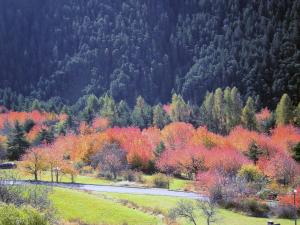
(186, 161)
(288, 199)
(137, 146)
(177, 135)
(280, 167)
(286, 137)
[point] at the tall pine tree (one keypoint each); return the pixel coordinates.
(284, 111)
(17, 143)
(248, 115)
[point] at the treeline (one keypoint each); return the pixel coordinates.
(56, 49)
(220, 112)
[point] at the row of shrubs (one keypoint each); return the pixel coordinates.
(158, 180)
(25, 215)
(256, 208)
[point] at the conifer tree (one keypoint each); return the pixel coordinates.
(160, 118)
(237, 105)
(17, 143)
(248, 115)
(218, 110)
(142, 114)
(296, 152)
(123, 112)
(284, 111)
(297, 116)
(207, 111)
(109, 109)
(180, 111)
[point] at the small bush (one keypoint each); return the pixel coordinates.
(216, 194)
(133, 176)
(267, 194)
(250, 173)
(255, 208)
(286, 212)
(11, 215)
(86, 170)
(160, 180)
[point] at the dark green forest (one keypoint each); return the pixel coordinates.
(60, 50)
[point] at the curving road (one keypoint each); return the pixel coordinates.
(122, 189)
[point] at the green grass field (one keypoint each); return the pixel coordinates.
(72, 205)
(226, 217)
(113, 208)
(45, 176)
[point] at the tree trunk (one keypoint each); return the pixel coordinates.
(35, 175)
(51, 170)
(56, 176)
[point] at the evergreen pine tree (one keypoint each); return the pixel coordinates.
(284, 111)
(206, 111)
(248, 115)
(109, 109)
(296, 152)
(142, 114)
(180, 111)
(254, 152)
(17, 143)
(237, 105)
(218, 111)
(297, 116)
(160, 117)
(123, 112)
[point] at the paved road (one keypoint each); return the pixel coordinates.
(125, 190)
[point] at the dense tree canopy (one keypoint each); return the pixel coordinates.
(59, 50)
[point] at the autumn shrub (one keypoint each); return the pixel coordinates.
(250, 173)
(160, 180)
(254, 207)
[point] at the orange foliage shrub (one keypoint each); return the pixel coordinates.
(36, 116)
(32, 135)
(137, 146)
(100, 124)
(263, 115)
(153, 136)
(241, 138)
(203, 137)
(187, 160)
(280, 167)
(225, 160)
(177, 135)
(285, 137)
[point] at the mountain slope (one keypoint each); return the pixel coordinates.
(127, 48)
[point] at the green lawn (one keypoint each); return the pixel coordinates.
(179, 184)
(94, 209)
(225, 217)
(92, 179)
(175, 183)
(107, 208)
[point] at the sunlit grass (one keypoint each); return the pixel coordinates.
(164, 204)
(92, 209)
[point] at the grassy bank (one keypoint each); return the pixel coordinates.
(114, 208)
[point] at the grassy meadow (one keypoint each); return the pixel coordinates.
(119, 209)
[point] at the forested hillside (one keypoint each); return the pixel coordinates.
(127, 48)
